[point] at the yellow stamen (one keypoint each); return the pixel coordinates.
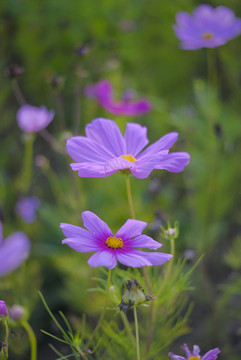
(114, 243)
(194, 358)
(129, 158)
(206, 36)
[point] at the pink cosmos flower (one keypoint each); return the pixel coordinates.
(105, 150)
(207, 27)
(13, 251)
(33, 119)
(109, 248)
(103, 92)
(194, 355)
(26, 208)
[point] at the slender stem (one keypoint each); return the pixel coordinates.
(212, 69)
(128, 187)
(6, 340)
(18, 93)
(137, 335)
(103, 312)
(127, 326)
(32, 339)
(51, 140)
(27, 164)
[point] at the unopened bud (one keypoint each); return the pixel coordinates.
(171, 232)
(3, 309)
(133, 295)
(17, 312)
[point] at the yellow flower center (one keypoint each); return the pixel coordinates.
(114, 243)
(194, 358)
(129, 158)
(206, 36)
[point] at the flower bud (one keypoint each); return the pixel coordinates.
(171, 232)
(17, 312)
(3, 309)
(133, 295)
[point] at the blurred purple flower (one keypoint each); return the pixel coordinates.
(194, 355)
(103, 92)
(108, 247)
(206, 27)
(33, 119)
(26, 208)
(17, 312)
(105, 151)
(13, 251)
(3, 309)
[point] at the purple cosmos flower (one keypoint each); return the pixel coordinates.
(26, 208)
(206, 27)
(109, 248)
(13, 251)
(194, 355)
(32, 119)
(103, 92)
(17, 312)
(105, 150)
(3, 309)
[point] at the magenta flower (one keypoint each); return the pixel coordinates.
(13, 251)
(109, 248)
(194, 355)
(3, 309)
(105, 150)
(26, 208)
(33, 119)
(207, 27)
(103, 92)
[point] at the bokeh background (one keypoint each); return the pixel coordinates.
(63, 46)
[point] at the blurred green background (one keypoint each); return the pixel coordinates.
(134, 46)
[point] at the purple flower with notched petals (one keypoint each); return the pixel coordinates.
(103, 92)
(109, 248)
(207, 27)
(105, 150)
(194, 355)
(33, 119)
(13, 251)
(26, 208)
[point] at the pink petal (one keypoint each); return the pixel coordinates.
(82, 244)
(143, 241)
(196, 350)
(131, 229)
(97, 226)
(164, 143)
(155, 258)
(186, 349)
(131, 257)
(135, 137)
(174, 162)
(118, 163)
(13, 251)
(211, 354)
(82, 149)
(176, 357)
(144, 167)
(89, 169)
(105, 258)
(106, 133)
(72, 231)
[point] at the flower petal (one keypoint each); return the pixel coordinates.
(103, 258)
(186, 349)
(144, 167)
(131, 229)
(107, 133)
(97, 226)
(82, 244)
(135, 137)
(155, 258)
(116, 164)
(174, 162)
(211, 354)
(72, 231)
(132, 258)
(89, 169)
(176, 357)
(196, 350)
(164, 143)
(143, 241)
(82, 149)
(14, 250)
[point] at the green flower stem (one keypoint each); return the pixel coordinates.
(27, 164)
(130, 201)
(127, 326)
(212, 69)
(32, 339)
(169, 266)
(103, 312)
(137, 335)
(6, 340)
